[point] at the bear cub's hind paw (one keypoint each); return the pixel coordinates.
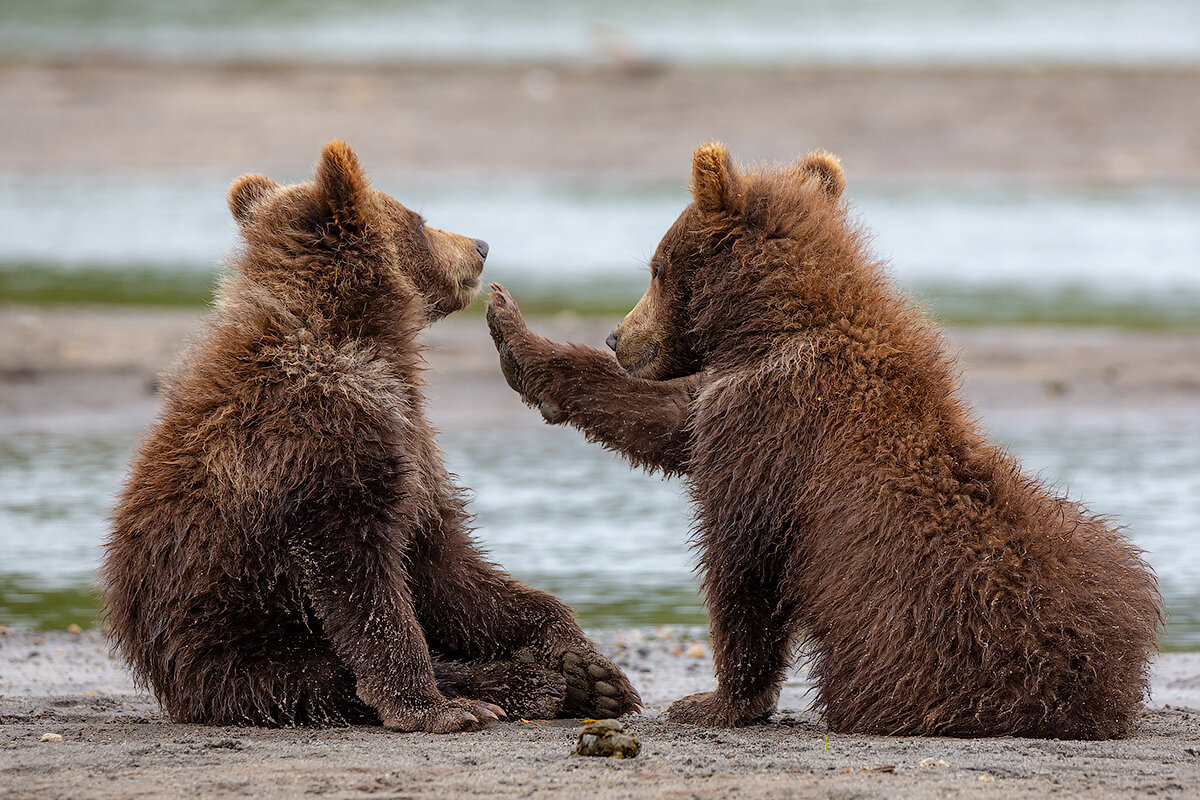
(523, 687)
(596, 687)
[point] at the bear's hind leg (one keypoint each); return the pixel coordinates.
(281, 677)
(473, 611)
(521, 686)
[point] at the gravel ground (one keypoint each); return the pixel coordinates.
(116, 743)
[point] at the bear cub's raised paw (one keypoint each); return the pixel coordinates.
(516, 346)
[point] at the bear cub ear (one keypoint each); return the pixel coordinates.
(827, 168)
(340, 180)
(714, 178)
(247, 192)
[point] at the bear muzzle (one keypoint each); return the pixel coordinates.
(472, 283)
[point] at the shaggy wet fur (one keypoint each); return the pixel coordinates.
(842, 488)
(289, 547)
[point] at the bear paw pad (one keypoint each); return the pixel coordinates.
(596, 687)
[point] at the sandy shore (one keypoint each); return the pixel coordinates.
(117, 744)
(992, 123)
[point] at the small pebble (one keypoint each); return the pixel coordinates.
(986, 778)
(695, 651)
(932, 762)
(74, 629)
(51, 737)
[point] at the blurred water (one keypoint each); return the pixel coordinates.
(571, 518)
(689, 31)
(571, 236)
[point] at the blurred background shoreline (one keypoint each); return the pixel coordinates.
(1030, 170)
(1000, 193)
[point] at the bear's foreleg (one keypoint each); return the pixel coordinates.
(644, 420)
(752, 625)
(362, 600)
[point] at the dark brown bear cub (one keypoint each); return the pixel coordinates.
(289, 547)
(843, 490)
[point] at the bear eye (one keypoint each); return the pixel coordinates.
(655, 269)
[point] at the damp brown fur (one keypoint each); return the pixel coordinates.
(289, 547)
(842, 488)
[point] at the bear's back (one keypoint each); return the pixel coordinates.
(262, 426)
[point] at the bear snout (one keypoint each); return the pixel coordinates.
(611, 341)
(481, 247)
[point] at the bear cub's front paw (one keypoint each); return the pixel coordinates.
(708, 710)
(517, 347)
(506, 324)
(447, 716)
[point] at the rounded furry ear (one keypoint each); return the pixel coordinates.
(714, 178)
(340, 180)
(247, 192)
(827, 168)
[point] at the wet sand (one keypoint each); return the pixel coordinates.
(116, 743)
(1015, 124)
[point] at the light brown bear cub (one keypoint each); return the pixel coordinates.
(289, 547)
(843, 490)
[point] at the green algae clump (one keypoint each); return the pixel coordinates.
(607, 738)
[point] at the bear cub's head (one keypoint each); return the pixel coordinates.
(338, 237)
(713, 268)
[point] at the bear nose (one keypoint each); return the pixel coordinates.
(481, 247)
(611, 341)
